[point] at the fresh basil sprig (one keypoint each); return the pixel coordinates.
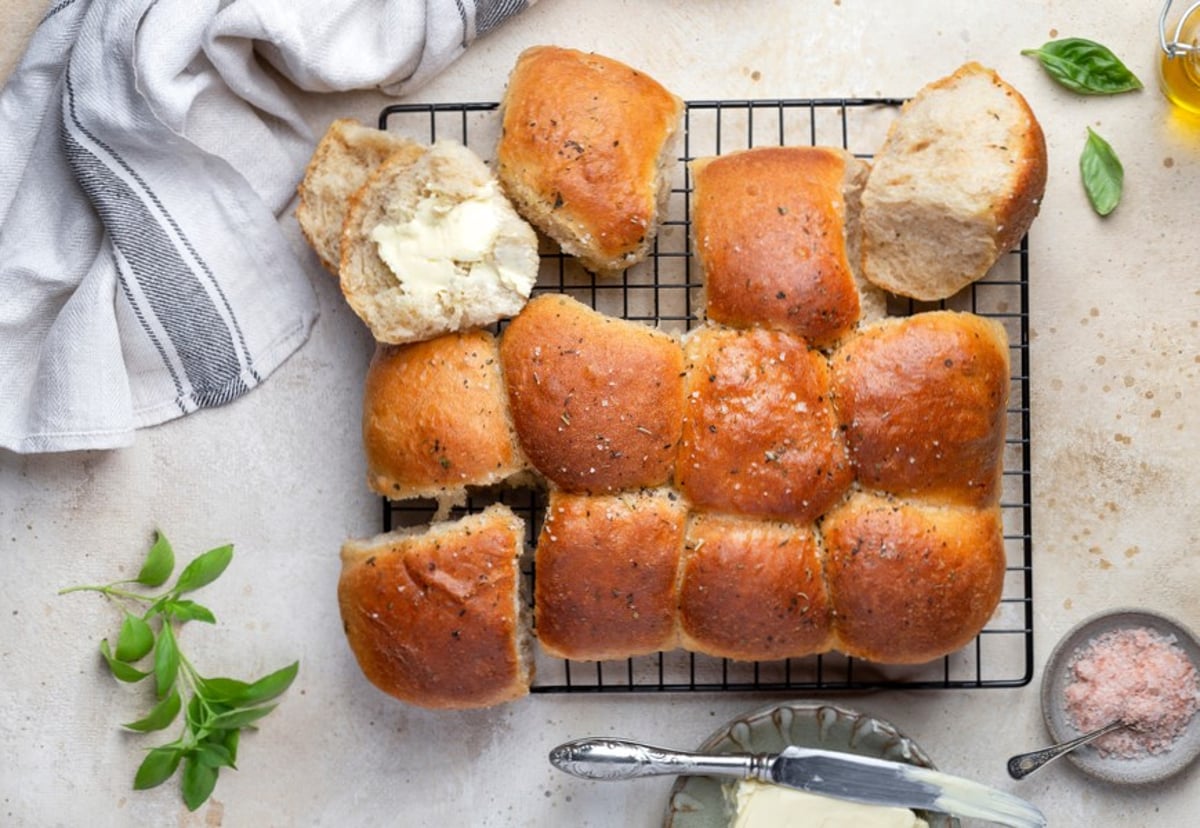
(1103, 175)
(1085, 66)
(215, 709)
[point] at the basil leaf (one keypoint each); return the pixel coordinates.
(159, 562)
(185, 610)
(270, 686)
(214, 755)
(1103, 175)
(1085, 66)
(162, 715)
(135, 639)
(199, 780)
(166, 661)
(238, 718)
(120, 670)
(157, 767)
(204, 569)
(230, 743)
(223, 689)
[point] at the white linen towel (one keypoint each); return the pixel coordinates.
(150, 150)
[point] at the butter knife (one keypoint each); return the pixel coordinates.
(849, 776)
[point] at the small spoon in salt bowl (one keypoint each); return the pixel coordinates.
(1024, 764)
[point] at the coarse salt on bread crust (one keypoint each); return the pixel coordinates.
(597, 402)
(585, 153)
(957, 183)
(431, 245)
(435, 616)
(775, 234)
(923, 402)
(436, 420)
(606, 574)
(911, 581)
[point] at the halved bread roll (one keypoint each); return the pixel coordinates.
(344, 159)
(956, 184)
(586, 151)
(435, 616)
(431, 245)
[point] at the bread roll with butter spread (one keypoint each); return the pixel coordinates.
(585, 153)
(431, 245)
(956, 184)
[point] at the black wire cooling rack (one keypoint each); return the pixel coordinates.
(663, 291)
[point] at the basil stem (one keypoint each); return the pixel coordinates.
(1085, 66)
(1103, 175)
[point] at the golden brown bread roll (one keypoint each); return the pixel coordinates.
(911, 582)
(773, 236)
(759, 432)
(435, 419)
(753, 590)
(922, 400)
(606, 574)
(435, 618)
(596, 401)
(585, 150)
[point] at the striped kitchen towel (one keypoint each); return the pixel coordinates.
(151, 149)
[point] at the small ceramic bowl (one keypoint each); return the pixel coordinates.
(1140, 770)
(700, 801)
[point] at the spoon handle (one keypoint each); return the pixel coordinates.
(1024, 764)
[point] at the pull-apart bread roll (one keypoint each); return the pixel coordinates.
(344, 159)
(585, 153)
(911, 582)
(753, 590)
(435, 617)
(776, 237)
(597, 401)
(759, 434)
(606, 574)
(431, 245)
(435, 419)
(923, 403)
(956, 184)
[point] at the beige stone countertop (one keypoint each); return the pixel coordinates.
(1114, 349)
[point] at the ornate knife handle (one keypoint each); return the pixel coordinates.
(616, 759)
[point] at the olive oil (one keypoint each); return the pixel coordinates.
(1179, 68)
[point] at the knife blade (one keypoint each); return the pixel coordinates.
(849, 776)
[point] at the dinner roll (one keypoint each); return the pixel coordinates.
(956, 184)
(435, 419)
(923, 403)
(759, 432)
(753, 590)
(911, 582)
(775, 234)
(585, 153)
(606, 574)
(435, 617)
(596, 401)
(345, 157)
(431, 245)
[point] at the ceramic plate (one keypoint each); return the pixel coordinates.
(699, 801)
(1151, 768)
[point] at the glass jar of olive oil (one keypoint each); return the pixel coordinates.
(1179, 60)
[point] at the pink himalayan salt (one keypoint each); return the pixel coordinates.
(1137, 675)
